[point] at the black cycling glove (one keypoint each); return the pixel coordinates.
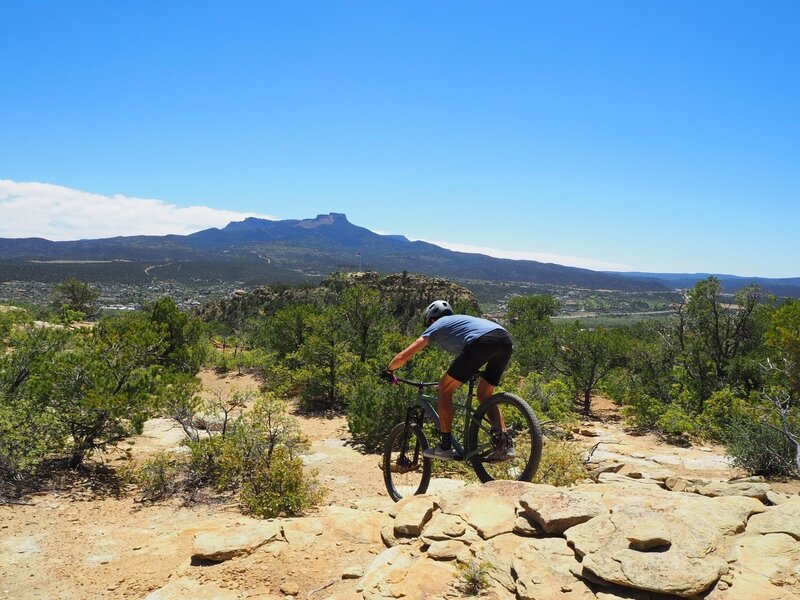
(387, 376)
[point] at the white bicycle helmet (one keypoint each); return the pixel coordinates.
(439, 308)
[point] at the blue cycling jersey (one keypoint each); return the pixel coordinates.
(453, 332)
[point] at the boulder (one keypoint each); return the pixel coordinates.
(605, 467)
(412, 515)
(649, 535)
(228, 543)
(525, 527)
(491, 508)
(682, 484)
(783, 518)
(555, 511)
(354, 572)
(350, 526)
(668, 553)
(443, 527)
(750, 490)
(407, 577)
(390, 540)
(448, 550)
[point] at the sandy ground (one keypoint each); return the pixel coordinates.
(99, 542)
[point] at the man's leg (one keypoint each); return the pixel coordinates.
(444, 449)
(485, 391)
(447, 387)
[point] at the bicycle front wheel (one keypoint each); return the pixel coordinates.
(513, 413)
(405, 471)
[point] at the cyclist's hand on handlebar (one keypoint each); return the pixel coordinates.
(387, 376)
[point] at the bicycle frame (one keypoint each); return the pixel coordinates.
(424, 405)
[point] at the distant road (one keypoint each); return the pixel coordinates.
(148, 269)
(615, 314)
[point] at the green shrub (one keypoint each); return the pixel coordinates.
(30, 430)
(553, 399)
(28, 435)
(720, 413)
(279, 379)
(205, 462)
(259, 455)
(642, 411)
(279, 487)
(675, 421)
(757, 448)
(473, 576)
(159, 477)
(562, 463)
(373, 408)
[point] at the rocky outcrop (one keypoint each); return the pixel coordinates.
(521, 541)
(405, 295)
(669, 553)
(608, 540)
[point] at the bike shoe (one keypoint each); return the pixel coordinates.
(440, 453)
(503, 448)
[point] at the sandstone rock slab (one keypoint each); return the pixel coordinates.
(444, 526)
(491, 508)
(409, 578)
(448, 550)
(555, 511)
(412, 515)
(783, 518)
(750, 490)
(183, 588)
(774, 555)
(543, 569)
(224, 545)
(683, 562)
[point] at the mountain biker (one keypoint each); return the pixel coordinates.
(474, 342)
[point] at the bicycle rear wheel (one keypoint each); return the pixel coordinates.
(522, 428)
(405, 471)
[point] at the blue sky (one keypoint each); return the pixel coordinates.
(656, 136)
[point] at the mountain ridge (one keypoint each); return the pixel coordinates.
(256, 251)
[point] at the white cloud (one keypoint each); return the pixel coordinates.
(29, 209)
(545, 257)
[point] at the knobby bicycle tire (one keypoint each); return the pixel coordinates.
(409, 473)
(523, 427)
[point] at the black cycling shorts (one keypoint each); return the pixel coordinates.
(492, 349)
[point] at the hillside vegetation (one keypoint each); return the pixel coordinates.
(714, 371)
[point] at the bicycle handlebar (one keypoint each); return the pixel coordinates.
(419, 384)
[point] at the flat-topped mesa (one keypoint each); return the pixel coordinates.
(321, 220)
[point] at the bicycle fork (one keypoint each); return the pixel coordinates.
(414, 416)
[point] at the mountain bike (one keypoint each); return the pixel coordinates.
(407, 472)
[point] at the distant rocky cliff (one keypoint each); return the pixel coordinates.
(406, 296)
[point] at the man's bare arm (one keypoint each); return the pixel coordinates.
(404, 355)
